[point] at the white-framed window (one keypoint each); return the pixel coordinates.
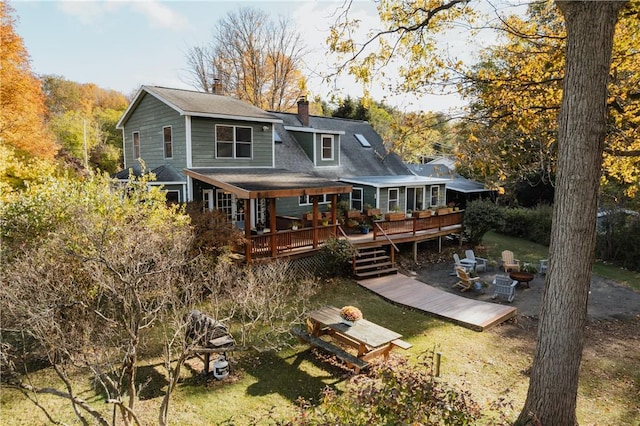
(356, 199)
(327, 147)
(173, 196)
(136, 145)
(394, 199)
(435, 196)
(224, 203)
(207, 200)
(167, 136)
(306, 200)
(233, 141)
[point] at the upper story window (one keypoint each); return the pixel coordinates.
(435, 196)
(136, 145)
(327, 147)
(233, 141)
(394, 199)
(168, 141)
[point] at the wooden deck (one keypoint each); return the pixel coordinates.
(473, 314)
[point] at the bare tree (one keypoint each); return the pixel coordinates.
(253, 58)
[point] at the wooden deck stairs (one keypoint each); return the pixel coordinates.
(373, 262)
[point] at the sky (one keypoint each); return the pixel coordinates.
(122, 45)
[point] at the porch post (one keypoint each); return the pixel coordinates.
(314, 221)
(248, 245)
(334, 213)
(273, 237)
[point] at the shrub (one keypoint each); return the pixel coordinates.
(395, 393)
(617, 240)
(531, 224)
(480, 217)
(338, 253)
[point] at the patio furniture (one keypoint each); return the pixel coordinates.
(465, 281)
(508, 261)
(370, 340)
(466, 264)
(480, 262)
(522, 278)
(544, 265)
(504, 286)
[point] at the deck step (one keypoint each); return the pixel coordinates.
(371, 259)
(379, 265)
(377, 273)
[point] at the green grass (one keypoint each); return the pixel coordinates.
(490, 365)
(493, 243)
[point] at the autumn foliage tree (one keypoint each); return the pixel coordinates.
(22, 104)
(253, 58)
(515, 94)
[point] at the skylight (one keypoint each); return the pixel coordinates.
(363, 141)
(277, 138)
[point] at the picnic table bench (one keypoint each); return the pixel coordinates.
(369, 339)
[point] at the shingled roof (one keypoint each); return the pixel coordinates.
(355, 159)
(200, 104)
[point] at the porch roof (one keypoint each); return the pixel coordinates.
(267, 183)
(389, 181)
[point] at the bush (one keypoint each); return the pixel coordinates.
(531, 224)
(480, 217)
(339, 254)
(617, 240)
(395, 393)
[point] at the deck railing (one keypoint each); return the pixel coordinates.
(273, 244)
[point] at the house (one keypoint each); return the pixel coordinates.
(459, 190)
(265, 169)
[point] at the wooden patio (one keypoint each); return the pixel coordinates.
(406, 291)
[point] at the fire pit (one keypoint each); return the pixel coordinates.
(523, 278)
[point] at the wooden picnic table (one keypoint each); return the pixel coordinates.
(369, 339)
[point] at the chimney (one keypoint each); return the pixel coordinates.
(303, 111)
(216, 89)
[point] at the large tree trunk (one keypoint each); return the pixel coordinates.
(551, 399)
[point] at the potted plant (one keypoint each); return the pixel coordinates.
(295, 225)
(529, 268)
(443, 210)
(260, 228)
(364, 228)
(395, 214)
(353, 213)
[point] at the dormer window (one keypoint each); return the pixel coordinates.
(327, 147)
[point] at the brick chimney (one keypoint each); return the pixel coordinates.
(303, 111)
(216, 89)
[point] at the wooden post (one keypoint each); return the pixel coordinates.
(415, 252)
(314, 221)
(248, 246)
(273, 237)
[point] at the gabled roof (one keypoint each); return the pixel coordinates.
(355, 159)
(200, 104)
(164, 174)
(443, 168)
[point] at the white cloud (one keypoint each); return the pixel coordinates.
(160, 15)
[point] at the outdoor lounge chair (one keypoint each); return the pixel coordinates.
(504, 286)
(544, 265)
(479, 262)
(466, 264)
(508, 262)
(464, 280)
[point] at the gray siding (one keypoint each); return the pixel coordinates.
(149, 118)
(203, 144)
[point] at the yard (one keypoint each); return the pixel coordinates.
(491, 365)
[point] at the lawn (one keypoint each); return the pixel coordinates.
(491, 365)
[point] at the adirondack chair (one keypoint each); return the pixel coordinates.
(479, 262)
(465, 264)
(464, 280)
(508, 262)
(504, 286)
